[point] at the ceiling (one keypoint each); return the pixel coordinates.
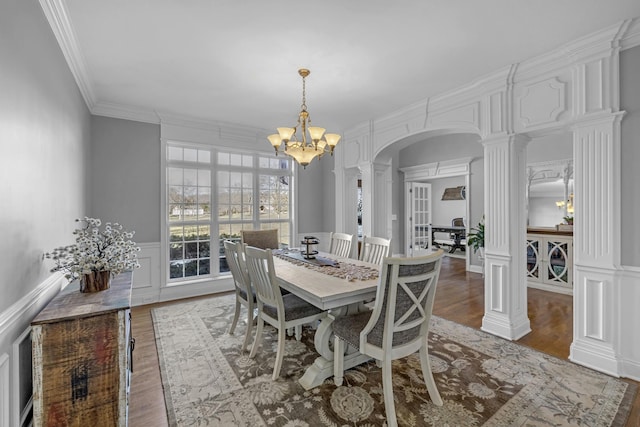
(237, 61)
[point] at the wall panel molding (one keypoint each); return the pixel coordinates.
(542, 102)
(5, 392)
(14, 335)
(22, 387)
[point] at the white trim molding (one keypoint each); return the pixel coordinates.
(14, 330)
(5, 391)
(21, 411)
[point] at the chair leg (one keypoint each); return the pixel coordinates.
(298, 332)
(338, 361)
(247, 334)
(428, 376)
(258, 340)
(387, 387)
(235, 318)
(280, 354)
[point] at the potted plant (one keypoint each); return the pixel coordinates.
(475, 239)
(98, 254)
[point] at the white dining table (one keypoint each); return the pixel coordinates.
(339, 296)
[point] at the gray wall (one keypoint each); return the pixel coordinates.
(630, 190)
(443, 211)
(441, 148)
(311, 197)
(126, 186)
(125, 175)
(44, 137)
(551, 147)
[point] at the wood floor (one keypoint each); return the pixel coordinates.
(460, 298)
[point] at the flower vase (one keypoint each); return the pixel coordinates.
(95, 281)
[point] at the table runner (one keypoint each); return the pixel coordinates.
(329, 266)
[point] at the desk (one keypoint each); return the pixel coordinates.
(458, 232)
(339, 296)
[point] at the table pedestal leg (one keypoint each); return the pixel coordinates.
(322, 367)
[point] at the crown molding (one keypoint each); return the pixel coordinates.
(58, 17)
(126, 112)
(631, 38)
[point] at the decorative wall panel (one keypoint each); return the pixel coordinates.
(594, 305)
(463, 117)
(351, 154)
(541, 102)
(496, 112)
(593, 87)
(497, 273)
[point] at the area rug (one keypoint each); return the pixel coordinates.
(483, 380)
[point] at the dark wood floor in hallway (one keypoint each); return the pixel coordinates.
(460, 298)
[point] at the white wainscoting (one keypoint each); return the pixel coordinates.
(22, 385)
(14, 346)
(147, 280)
(5, 390)
(630, 348)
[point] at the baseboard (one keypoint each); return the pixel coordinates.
(550, 288)
(595, 356)
(630, 369)
(476, 269)
(206, 287)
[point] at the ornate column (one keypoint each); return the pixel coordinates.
(596, 290)
(505, 286)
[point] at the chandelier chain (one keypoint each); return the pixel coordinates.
(304, 95)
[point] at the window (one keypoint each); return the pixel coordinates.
(248, 191)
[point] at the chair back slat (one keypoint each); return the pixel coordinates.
(234, 253)
(262, 274)
(374, 249)
(340, 244)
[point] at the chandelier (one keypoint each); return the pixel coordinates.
(304, 148)
(568, 204)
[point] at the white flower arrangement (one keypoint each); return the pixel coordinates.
(110, 249)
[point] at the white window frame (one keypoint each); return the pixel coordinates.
(213, 221)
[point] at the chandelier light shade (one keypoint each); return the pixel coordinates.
(311, 142)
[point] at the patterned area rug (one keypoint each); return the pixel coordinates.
(483, 380)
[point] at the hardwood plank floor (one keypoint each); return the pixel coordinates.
(459, 298)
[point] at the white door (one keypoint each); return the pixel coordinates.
(418, 221)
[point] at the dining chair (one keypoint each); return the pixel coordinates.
(263, 239)
(398, 325)
(280, 311)
(374, 249)
(340, 244)
(244, 293)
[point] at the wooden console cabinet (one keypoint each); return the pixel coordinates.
(82, 349)
(550, 260)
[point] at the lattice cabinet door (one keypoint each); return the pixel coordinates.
(550, 262)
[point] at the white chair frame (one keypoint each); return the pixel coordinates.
(374, 249)
(244, 292)
(263, 278)
(391, 282)
(340, 244)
